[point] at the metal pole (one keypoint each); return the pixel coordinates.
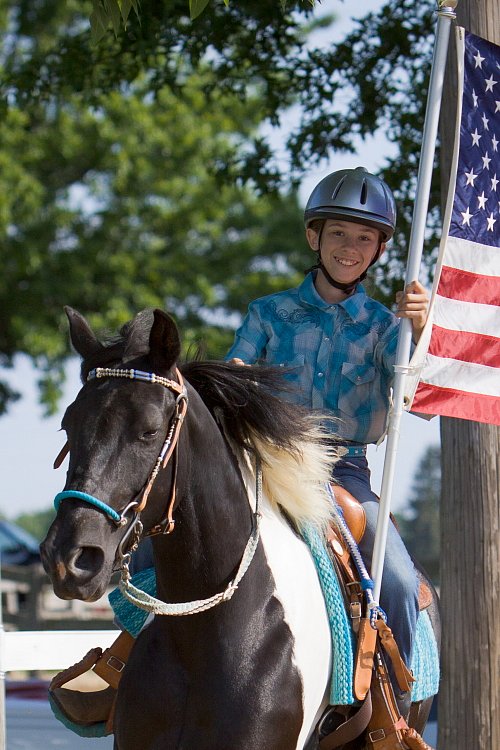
(446, 14)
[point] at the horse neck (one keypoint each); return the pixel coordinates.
(213, 519)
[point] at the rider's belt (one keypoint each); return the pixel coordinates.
(352, 450)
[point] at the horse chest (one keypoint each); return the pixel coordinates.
(252, 673)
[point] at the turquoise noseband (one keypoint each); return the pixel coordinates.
(107, 509)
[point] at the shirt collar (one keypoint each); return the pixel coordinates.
(352, 304)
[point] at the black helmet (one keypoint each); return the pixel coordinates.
(353, 195)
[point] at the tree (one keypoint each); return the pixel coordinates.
(419, 524)
(120, 204)
(469, 700)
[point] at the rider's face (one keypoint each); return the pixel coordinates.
(347, 248)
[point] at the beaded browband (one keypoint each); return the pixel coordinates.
(132, 374)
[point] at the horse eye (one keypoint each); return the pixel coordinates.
(149, 434)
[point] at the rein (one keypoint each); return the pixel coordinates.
(150, 604)
(139, 598)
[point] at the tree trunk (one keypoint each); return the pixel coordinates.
(469, 698)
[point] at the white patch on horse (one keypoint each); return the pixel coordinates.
(299, 592)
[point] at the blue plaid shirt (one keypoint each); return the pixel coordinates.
(340, 356)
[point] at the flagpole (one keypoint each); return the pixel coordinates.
(446, 14)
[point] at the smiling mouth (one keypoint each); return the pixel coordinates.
(347, 262)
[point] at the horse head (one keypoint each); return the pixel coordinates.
(117, 430)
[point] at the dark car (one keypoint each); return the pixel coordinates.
(17, 546)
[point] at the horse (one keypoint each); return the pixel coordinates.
(209, 461)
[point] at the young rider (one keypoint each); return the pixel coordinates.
(338, 347)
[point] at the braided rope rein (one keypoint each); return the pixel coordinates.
(151, 604)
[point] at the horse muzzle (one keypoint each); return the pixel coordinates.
(76, 571)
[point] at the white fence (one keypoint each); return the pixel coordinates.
(45, 650)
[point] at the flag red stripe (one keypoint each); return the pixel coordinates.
(447, 402)
(465, 346)
(469, 287)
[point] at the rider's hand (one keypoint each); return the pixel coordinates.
(413, 303)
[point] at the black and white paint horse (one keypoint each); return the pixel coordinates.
(177, 454)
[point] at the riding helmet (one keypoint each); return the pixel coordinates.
(353, 195)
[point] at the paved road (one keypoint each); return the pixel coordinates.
(32, 726)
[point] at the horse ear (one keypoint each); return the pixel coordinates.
(82, 336)
(136, 335)
(164, 341)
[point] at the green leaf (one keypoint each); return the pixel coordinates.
(196, 7)
(98, 23)
(113, 11)
(125, 8)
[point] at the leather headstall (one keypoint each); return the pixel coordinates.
(169, 448)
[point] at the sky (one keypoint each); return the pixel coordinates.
(29, 442)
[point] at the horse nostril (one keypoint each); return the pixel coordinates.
(86, 560)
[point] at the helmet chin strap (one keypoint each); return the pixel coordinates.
(346, 288)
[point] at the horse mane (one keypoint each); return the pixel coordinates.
(295, 451)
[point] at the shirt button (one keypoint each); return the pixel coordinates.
(327, 338)
(320, 374)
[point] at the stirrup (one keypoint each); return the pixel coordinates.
(91, 708)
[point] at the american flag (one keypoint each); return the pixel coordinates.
(459, 372)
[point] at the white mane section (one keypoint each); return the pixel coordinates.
(295, 480)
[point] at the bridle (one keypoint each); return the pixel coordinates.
(169, 449)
